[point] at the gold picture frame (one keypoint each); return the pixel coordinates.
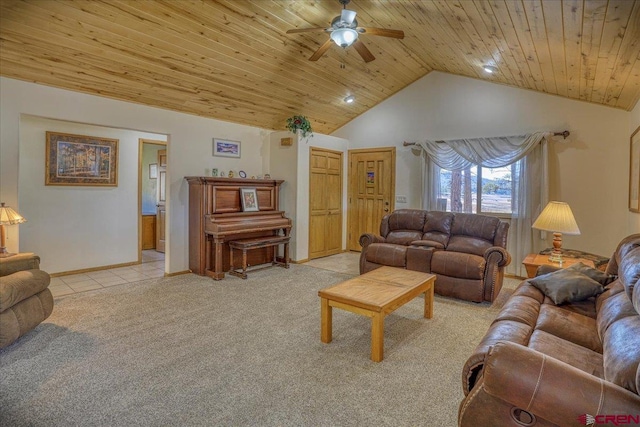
(634, 171)
(81, 160)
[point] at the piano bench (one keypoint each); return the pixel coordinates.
(257, 243)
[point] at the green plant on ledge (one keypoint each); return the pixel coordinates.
(300, 122)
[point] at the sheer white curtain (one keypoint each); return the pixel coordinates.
(532, 195)
(530, 186)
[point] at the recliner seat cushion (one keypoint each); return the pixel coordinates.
(569, 326)
(458, 264)
(572, 354)
(387, 254)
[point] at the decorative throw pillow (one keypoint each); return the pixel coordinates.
(567, 285)
(595, 274)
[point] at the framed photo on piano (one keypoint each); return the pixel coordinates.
(249, 198)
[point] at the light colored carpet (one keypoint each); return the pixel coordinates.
(191, 351)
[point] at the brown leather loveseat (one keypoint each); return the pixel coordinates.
(576, 363)
(466, 252)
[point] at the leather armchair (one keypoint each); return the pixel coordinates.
(25, 300)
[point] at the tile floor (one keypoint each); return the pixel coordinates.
(345, 262)
(152, 267)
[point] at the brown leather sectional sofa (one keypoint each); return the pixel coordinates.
(561, 365)
(466, 252)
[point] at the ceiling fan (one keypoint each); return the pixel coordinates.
(345, 31)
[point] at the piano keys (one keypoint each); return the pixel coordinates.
(216, 218)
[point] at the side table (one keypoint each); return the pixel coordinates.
(533, 261)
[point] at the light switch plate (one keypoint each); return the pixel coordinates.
(401, 199)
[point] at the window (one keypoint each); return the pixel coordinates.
(478, 190)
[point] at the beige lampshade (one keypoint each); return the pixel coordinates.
(557, 217)
(10, 217)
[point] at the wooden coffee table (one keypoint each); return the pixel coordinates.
(375, 294)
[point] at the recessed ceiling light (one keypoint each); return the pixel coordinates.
(349, 99)
(490, 69)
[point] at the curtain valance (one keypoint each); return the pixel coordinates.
(492, 152)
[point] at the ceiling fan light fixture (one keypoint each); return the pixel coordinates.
(344, 37)
(349, 99)
(490, 69)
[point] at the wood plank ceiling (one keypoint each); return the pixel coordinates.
(232, 59)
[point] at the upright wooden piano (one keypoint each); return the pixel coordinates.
(216, 218)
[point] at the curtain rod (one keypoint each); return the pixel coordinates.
(564, 135)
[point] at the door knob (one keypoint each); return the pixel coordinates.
(386, 209)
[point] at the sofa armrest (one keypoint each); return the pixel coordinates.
(515, 376)
(21, 285)
(496, 259)
(498, 255)
(19, 262)
(368, 238)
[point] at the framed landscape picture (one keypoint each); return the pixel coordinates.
(634, 172)
(226, 148)
(249, 198)
(81, 160)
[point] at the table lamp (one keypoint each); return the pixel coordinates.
(7, 217)
(557, 218)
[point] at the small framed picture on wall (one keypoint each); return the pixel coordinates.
(226, 148)
(153, 171)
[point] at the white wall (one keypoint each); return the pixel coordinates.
(292, 164)
(76, 227)
(589, 170)
(190, 148)
(284, 165)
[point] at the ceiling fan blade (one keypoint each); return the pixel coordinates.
(363, 51)
(396, 34)
(348, 16)
(321, 50)
(307, 30)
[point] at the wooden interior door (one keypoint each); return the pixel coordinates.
(372, 183)
(325, 202)
(162, 198)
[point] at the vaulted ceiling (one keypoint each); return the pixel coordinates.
(233, 60)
